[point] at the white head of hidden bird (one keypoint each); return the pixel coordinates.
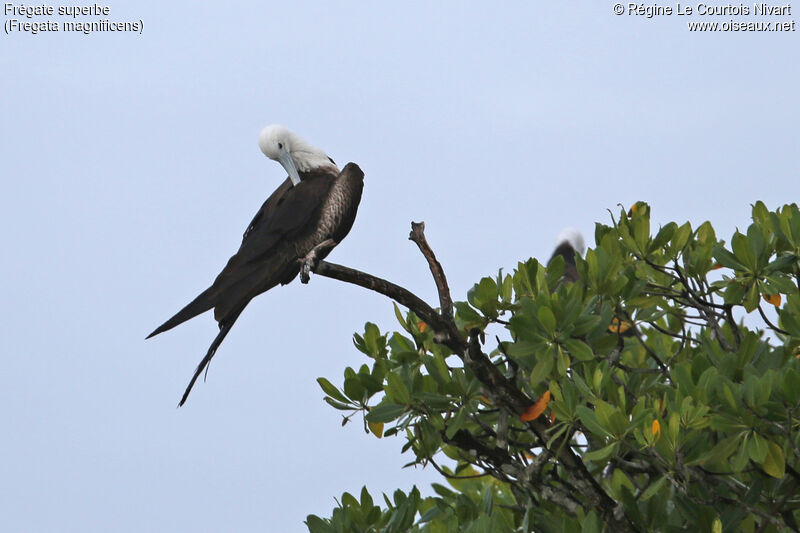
(574, 238)
(568, 244)
(292, 152)
(300, 223)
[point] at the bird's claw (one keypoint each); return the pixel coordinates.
(311, 260)
(307, 265)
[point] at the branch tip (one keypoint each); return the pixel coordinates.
(417, 235)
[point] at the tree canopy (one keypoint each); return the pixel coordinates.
(659, 392)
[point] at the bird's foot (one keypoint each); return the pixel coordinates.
(305, 269)
(310, 261)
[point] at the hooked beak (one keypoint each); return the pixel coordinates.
(287, 163)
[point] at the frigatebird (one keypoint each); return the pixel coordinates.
(298, 225)
(568, 243)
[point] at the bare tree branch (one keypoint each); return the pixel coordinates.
(417, 235)
(403, 296)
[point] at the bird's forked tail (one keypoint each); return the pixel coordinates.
(201, 304)
(225, 327)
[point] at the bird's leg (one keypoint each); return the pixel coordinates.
(309, 262)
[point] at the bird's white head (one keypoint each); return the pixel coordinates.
(292, 152)
(573, 237)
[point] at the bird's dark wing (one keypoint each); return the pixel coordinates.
(267, 255)
(287, 211)
(268, 206)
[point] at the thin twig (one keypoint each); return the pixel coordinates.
(770, 324)
(653, 355)
(417, 235)
(734, 327)
(452, 476)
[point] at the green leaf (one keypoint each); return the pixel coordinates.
(751, 387)
(339, 405)
(466, 316)
(430, 514)
(400, 318)
(427, 360)
(724, 448)
(579, 349)
(779, 282)
(728, 393)
(734, 293)
(791, 385)
(743, 252)
(679, 239)
(353, 388)
(506, 291)
(483, 296)
(366, 499)
(641, 232)
(653, 488)
(619, 479)
(457, 423)
(441, 365)
(543, 367)
(790, 322)
(374, 342)
(598, 456)
(760, 214)
(487, 501)
(385, 412)
(547, 319)
(373, 384)
(555, 270)
(727, 259)
(396, 389)
(673, 426)
(681, 375)
(783, 263)
(705, 234)
(758, 245)
(664, 235)
(376, 428)
(525, 278)
(562, 363)
(589, 420)
(752, 298)
(402, 346)
(524, 349)
(330, 390)
(741, 458)
(757, 448)
(315, 524)
(592, 523)
(774, 463)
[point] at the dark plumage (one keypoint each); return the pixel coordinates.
(570, 242)
(293, 221)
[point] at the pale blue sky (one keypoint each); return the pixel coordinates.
(130, 169)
